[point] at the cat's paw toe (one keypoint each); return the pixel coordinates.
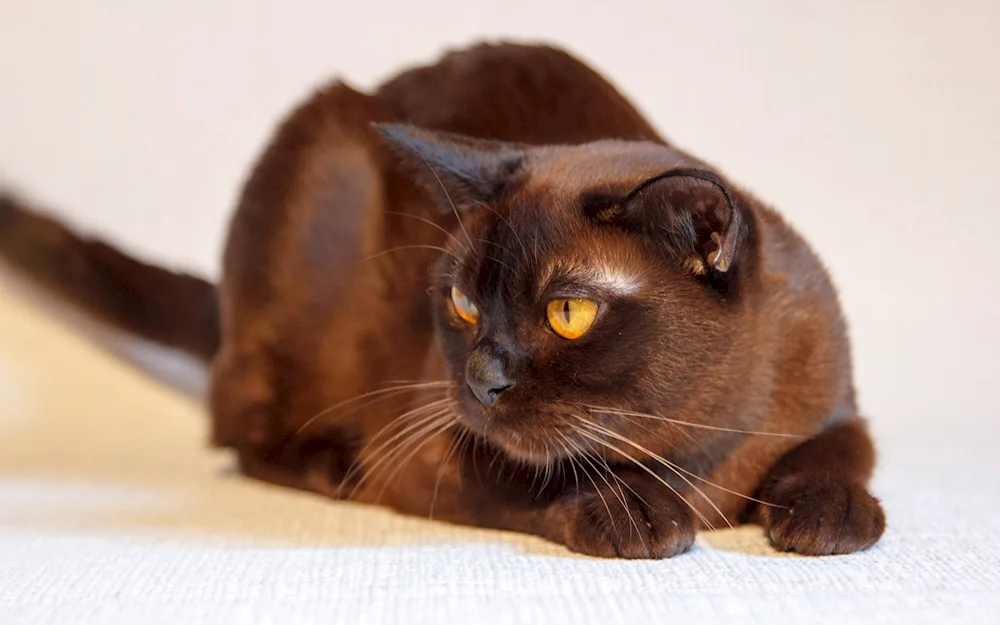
(635, 521)
(818, 517)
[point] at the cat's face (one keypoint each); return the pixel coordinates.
(568, 299)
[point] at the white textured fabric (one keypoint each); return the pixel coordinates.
(112, 510)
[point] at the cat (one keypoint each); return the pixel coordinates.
(491, 293)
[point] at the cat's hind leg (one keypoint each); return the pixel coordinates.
(820, 504)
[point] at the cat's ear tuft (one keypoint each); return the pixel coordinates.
(455, 169)
(699, 218)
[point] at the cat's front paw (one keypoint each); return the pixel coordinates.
(635, 517)
(818, 517)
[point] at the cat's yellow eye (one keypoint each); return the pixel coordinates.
(464, 306)
(571, 318)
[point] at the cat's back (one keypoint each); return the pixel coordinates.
(327, 171)
(525, 93)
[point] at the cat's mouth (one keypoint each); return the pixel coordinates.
(537, 447)
(527, 448)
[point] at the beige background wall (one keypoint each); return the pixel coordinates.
(871, 125)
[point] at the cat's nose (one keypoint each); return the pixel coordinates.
(486, 375)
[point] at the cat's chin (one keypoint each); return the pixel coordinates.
(524, 448)
(529, 448)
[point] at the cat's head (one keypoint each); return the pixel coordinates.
(583, 286)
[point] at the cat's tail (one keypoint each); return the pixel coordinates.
(172, 309)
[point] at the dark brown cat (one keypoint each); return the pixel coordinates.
(561, 326)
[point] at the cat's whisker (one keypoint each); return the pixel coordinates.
(535, 469)
(494, 244)
(706, 481)
(418, 415)
(691, 424)
(501, 263)
(549, 468)
(475, 464)
(415, 415)
(619, 494)
(663, 461)
(467, 439)
(699, 443)
(496, 456)
(447, 196)
(400, 388)
(359, 465)
(408, 247)
(452, 449)
(622, 485)
(403, 442)
(371, 402)
(436, 382)
(428, 222)
(569, 456)
(524, 250)
(676, 467)
(652, 473)
(594, 484)
(494, 258)
(390, 449)
(434, 430)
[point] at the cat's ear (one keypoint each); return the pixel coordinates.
(454, 168)
(700, 220)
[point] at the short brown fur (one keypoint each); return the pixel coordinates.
(719, 391)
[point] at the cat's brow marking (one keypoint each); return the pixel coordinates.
(616, 281)
(603, 277)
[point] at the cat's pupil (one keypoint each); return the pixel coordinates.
(566, 310)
